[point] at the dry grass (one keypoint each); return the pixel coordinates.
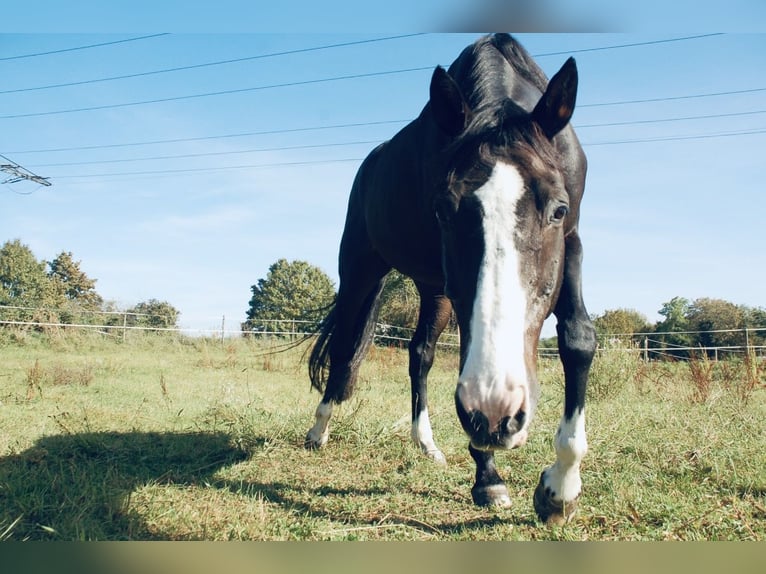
(176, 439)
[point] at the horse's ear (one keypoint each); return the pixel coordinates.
(447, 104)
(556, 106)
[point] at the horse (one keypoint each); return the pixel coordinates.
(477, 200)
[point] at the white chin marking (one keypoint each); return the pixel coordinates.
(563, 477)
(494, 374)
(424, 438)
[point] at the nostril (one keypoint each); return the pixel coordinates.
(479, 423)
(520, 417)
(513, 425)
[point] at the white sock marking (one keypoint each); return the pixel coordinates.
(563, 477)
(320, 432)
(422, 435)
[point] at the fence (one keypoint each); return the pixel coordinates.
(105, 327)
(644, 344)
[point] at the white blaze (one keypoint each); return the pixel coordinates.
(494, 375)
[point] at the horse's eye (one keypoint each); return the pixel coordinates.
(560, 213)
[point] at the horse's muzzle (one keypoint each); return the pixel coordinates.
(507, 433)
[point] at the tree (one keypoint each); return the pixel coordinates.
(621, 322)
(670, 335)
(23, 281)
(71, 282)
(291, 291)
(399, 305)
(153, 314)
(719, 323)
(755, 318)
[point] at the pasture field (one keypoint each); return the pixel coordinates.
(165, 438)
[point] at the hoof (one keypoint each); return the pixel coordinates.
(493, 495)
(551, 511)
(314, 443)
(437, 456)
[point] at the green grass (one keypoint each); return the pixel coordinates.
(158, 438)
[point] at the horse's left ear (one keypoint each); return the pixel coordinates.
(448, 106)
(556, 106)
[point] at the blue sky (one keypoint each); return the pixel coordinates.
(672, 205)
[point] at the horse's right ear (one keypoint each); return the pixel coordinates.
(447, 103)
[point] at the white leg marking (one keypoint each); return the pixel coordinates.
(424, 438)
(563, 477)
(494, 378)
(320, 432)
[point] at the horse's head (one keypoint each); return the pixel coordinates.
(503, 214)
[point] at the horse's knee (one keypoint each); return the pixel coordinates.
(577, 341)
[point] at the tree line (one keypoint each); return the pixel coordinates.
(689, 327)
(296, 296)
(298, 291)
(60, 292)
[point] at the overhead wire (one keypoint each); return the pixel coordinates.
(213, 137)
(307, 82)
(212, 154)
(358, 159)
(210, 64)
(217, 93)
(77, 48)
(358, 124)
(324, 145)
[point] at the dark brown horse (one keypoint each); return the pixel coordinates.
(477, 200)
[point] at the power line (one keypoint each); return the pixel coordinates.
(18, 173)
(219, 93)
(632, 45)
(212, 154)
(678, 119)
(223, 136)
(678, 138)
(358, 159)
(61, 51)
(366, 142)
(315, 128)
(209, 64)
(671, 98)
(365, 75)
(352, 77)
(204, 169)
(326, 47)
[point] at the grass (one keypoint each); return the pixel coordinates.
(161, 438)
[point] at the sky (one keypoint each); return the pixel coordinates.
(181, 178)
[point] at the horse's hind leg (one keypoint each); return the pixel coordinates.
(351, 329)
(434, 314)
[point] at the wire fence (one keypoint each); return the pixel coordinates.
(649, 346)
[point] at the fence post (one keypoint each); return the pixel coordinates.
(223, 328)
(124, 325)
(646, 349)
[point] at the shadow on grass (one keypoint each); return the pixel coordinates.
(77, 486)
(364, 506)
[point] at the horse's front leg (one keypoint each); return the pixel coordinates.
(489, 489)
(555, 497)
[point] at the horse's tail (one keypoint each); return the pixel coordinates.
(319, 359)
(341, 387)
